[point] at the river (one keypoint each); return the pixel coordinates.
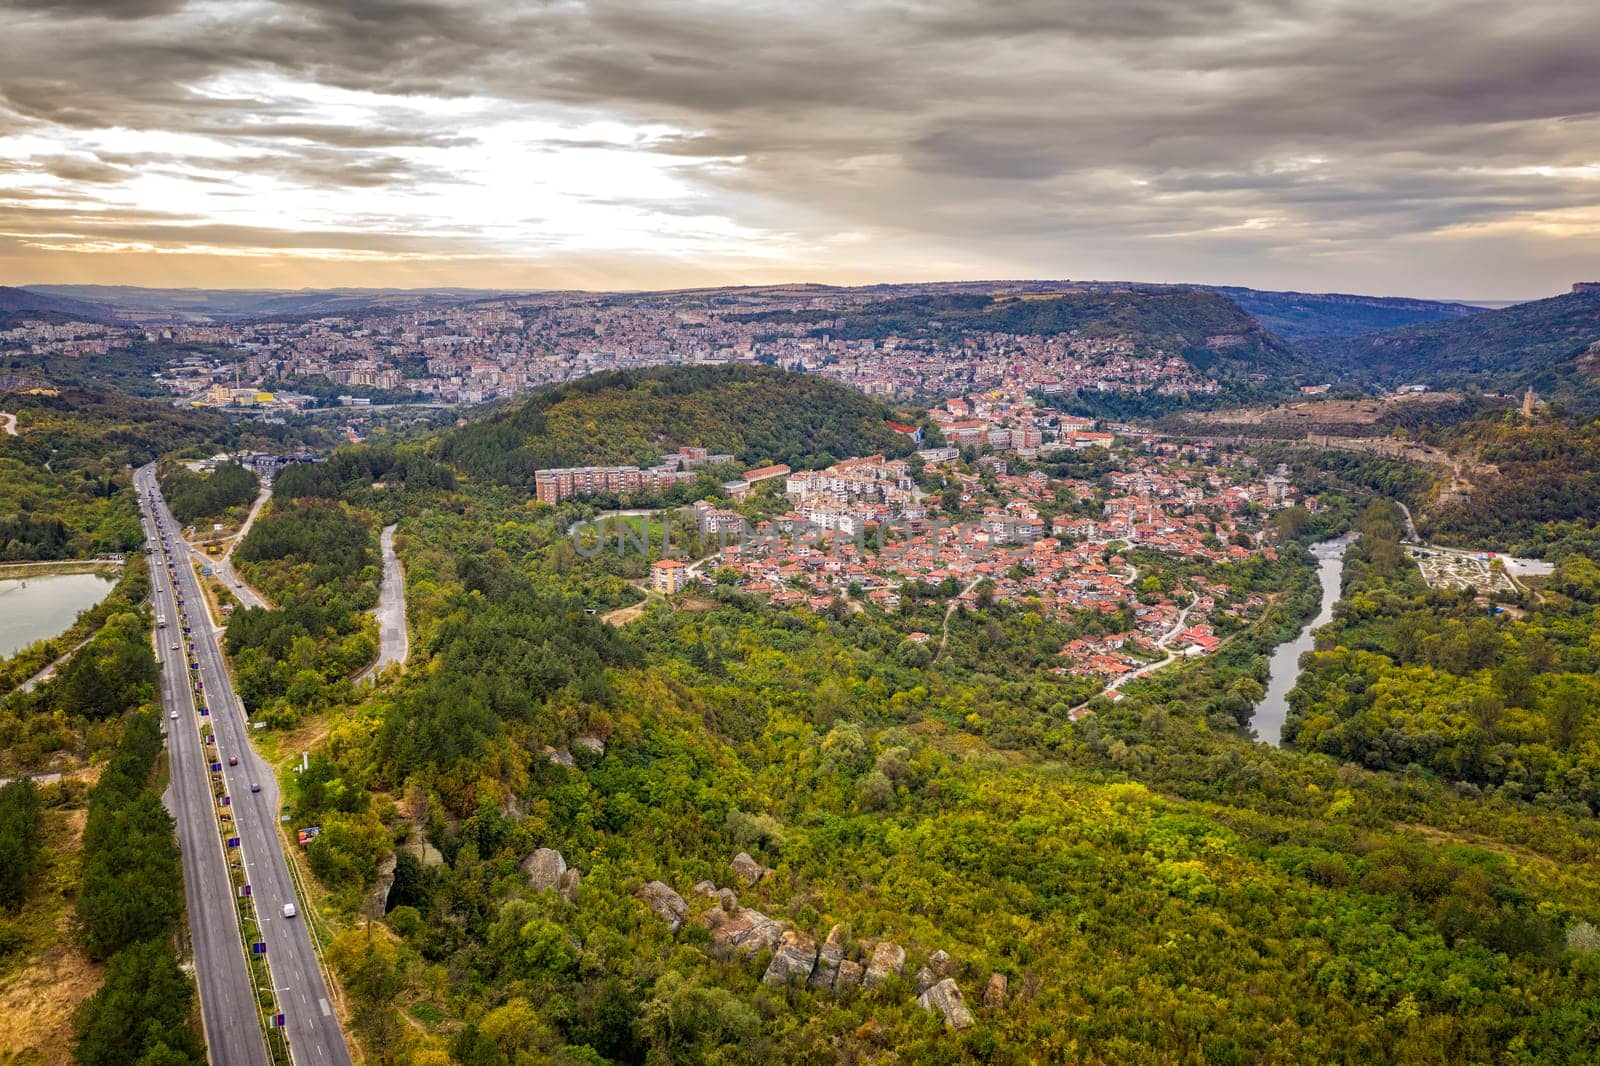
(1283, 669)
(34, 608)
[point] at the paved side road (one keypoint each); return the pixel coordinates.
(394, 644)
(313, 1030)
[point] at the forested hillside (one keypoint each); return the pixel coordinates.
(1295, 316)
(1142, 885)
(196, 498)
(756, 414)
(64, 479)
(1552, 345)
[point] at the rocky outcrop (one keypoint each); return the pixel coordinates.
(568, 885)
(849, 976)
(377, 904)
(994, 993)
(743, 932)
(829, 959)
(888, 960)
(747, 869)
(793, 961)
(590, 743)
(545, 869)
(425, 852)
(945, 997)
(705, 888)
(667, 904)
(559, 756)
(942, 964)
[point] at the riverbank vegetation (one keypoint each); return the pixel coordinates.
(1501, 702)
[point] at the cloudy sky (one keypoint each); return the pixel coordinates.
(1445, 149)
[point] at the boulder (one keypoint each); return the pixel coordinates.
(568, 886)
(793, 961)
(590, 743)
(828, 960)
(747, 869)
(666, 903)
(545, 869)
(744, 932)
(945, 997)
(728, 900)
(705, 888)
(942, 964)
(888, 960)
(925, 979)
(559, 756)
(849, 976)
(994, 993)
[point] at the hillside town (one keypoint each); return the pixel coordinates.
(472, 353)
(865, 533)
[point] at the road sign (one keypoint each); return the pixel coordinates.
(216, 768)
(244, 891)
(227, 800)
(277, 1021)
(233, 842)
(258, 948)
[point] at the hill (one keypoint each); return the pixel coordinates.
(1551, 345)
(1209, 331)
(1298, 315)
(758, 414)
(17, 304)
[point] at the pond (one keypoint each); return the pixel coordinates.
(1283, 669)
(33, 608)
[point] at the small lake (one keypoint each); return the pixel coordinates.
(1283, 669)
(34, 608)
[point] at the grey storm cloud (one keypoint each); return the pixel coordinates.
(1063, 137)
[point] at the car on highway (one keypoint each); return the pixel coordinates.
(255, 786)
(233, 760)
(174, 714)
(174, 647)
(288, 910)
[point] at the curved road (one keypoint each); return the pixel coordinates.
(313, 1031)
(394, 644)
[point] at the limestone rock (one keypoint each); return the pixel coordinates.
(568, 885)
(793, 961)
(748, 870)
(559, 756)
(426, 853)
(888, 960)
(945, 997)
(744, 932)
(925, 980)
(545, 869)
(994, 993)
(705, 888)
(828, 960)
(942, 964)
(590, 743)
(666, 903)
(849, 976)
(377, 904)
(728, 900)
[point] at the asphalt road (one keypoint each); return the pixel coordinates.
(315, 1037)
(393, 642)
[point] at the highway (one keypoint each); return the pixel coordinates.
(232, 1031)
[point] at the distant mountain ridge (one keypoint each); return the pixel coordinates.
(1296, 316)
(1552, 346)
(224, 305)
(17, 304)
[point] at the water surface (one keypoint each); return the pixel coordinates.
(33, 608)
(1284, 666)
